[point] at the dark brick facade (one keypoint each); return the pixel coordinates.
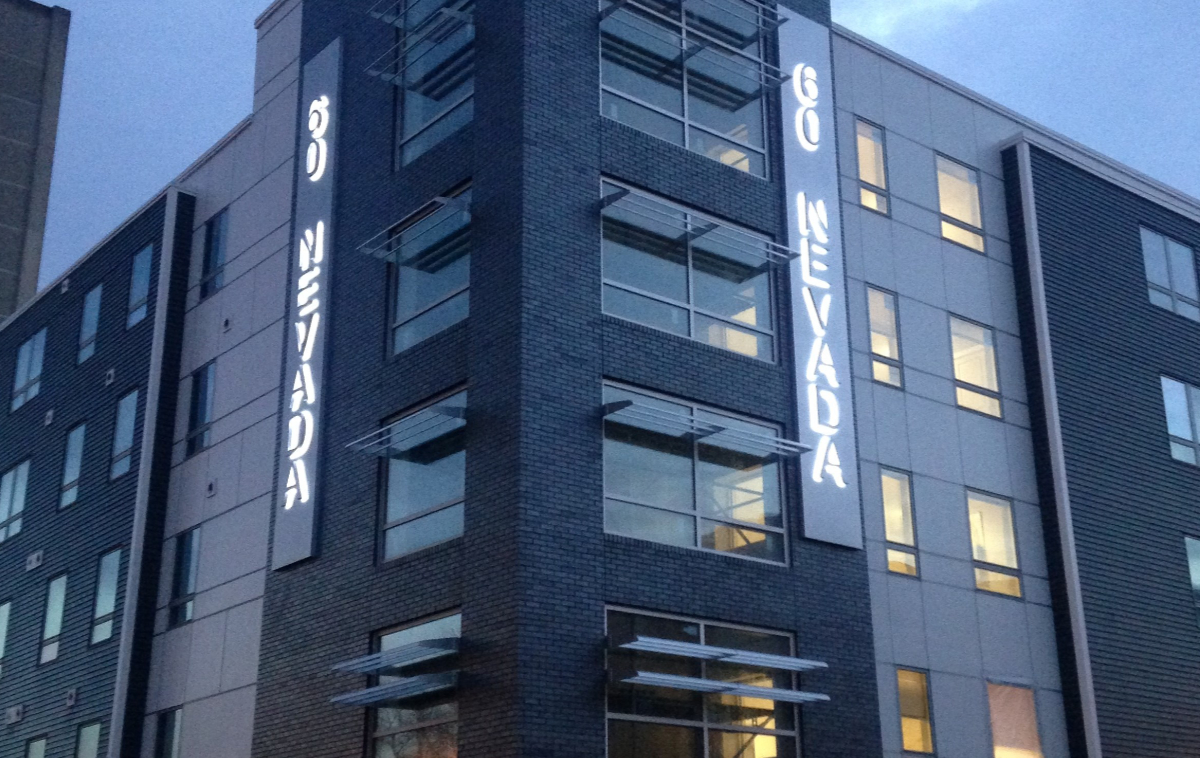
(1132, 504)
(534, 569)
(71, 540)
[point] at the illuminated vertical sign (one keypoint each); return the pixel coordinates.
(297, 495)
(829, 490)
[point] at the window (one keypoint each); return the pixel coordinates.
(212, 273)
(139, 287)
(1170, 274)
(958, 198)
(56, 597)
(170, 729)
(122, 454)
(12, 500)
(87, 742)
(691, 490)
(1193, 555)
(435, 71)
(676, 270)
(89, 324)
(694, 78)
(426, 475)
(645, 722)
(432, 270)
(1014, 722)
(183, 580)
(200, 415)
(5, 611)
(994, 544)
(872, 167)
(429, 726)
(975, 376)
(72, 463)
(28, 380)
(898, 526)
(105, 609)
(36, 748)
(885, 337)
(1182, 404)
(916, 725)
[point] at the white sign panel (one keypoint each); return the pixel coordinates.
(308, 313)
(830, 492)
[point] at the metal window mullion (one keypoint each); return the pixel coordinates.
(422, 514)
(634, 290)
(425, 310)
(689, 219)
(381, 733)
(441, 115)
(656, 506)
(735, 523)
(695, 445)
(739, 324)
(650, 106)
(640, 718)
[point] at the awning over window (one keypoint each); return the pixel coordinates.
(417, 231)
(410, 431)
(676, 424)
(724, 654)
(391, 66)
(391, 662)
(397, 692)
(692, 684)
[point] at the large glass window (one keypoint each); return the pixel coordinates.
(183, 578)
(1193, 556)
(975, 376)
(691, 490)
(885, 337)
(104, 610)
(898, 526)
(87, 741)
(872, 166)
(200, 413)
(428, 727)
(431, 270)
(426, 475)
(1182, 404)
(994, 544)
(89, 324)
(1170, 274)
(72, 464)
(684, 273)
(122, 452)
(56, 603)
(958, 198)
(27, 382)
(5, 612)
(139, 287)
(916, 723)
(1014, 722)
(655, 722)
(212, 273)
(12, 500)
(690, 73)
(434, 67)
(170, 734)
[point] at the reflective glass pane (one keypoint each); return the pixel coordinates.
(433, 259)
(723, 94)
(74, 455)
(170, 727)
(1187, 310)
(88, 742)
(640, 58)
(740, 486)
(650, 701)
(1183, 269)
(641, 118)
(106, 585)
(643, 247)
(647, 466)
(420, 533)
(431, 470)
(964, 237)
(1154, 257)
(998, 581)
(445, 125)
(1014, 722)
(873, 200)
(915, 724)
(139, 285)
(438, 61)
(431, 322)
(992, 536)
(734, 339)
(901, 562)
(56, 595)
(652, 524)
(632, 739)
(870, 155)
(885, 338)
(1193, 553)
(974, 354)
(645, 310)
(731, 282)
(1161, 299)
(897, 507)
(886, 373)
(1179, 420)
(36, 749)
(741, 540)
(90, 322)
(126, 417)
(747, 745)
(1184, 453)
(731, 154)
(102, 631)
(958, 191)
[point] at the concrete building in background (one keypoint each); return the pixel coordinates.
(549, 380)
(33, 52)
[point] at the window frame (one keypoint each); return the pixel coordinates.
(925, 675)
(1189, 544)
(139, 304)
(784, 531)
(682, 30)
(704, 725)
(122, 459)
(53, 642)
(110, 617)
(168, 725)
(181, 608)
(70, 486)
(212, 261)
(978, 565)
(24, 392)
(890, 545)
(9, 518)
(5, 621)
(386, 526)
(199, 434)
(99, 726)
(945, 218)
(996, 394)
(990, 682)
(29, 743)
(883, 192)
(1191, 398)
(877, 358)
(691, 216)
(1169, 291)
(89, 334)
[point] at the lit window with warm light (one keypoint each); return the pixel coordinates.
(898, 525)
(1014, 722)
(994, 544)
(916, 722)
(958, 201)
(977, 382)
(885, 337)
(872, 167)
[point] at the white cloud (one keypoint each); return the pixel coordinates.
(882, 19)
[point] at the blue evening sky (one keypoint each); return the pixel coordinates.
(150, 85)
